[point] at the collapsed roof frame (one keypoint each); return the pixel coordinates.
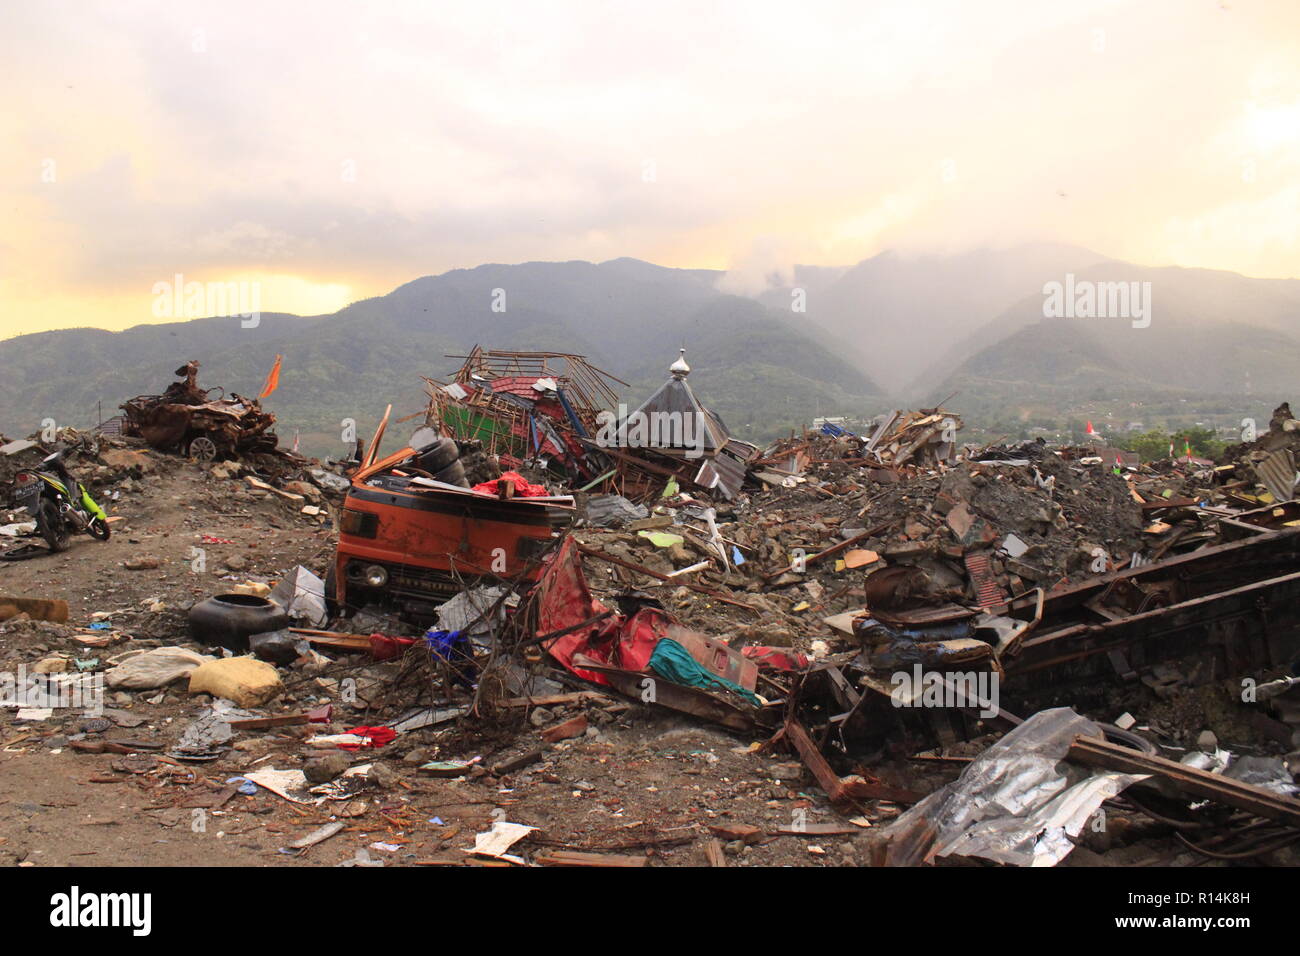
(588, 388)
(581, 389)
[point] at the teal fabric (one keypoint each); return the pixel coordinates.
(673, 662)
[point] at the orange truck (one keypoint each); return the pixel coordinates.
(409, 542)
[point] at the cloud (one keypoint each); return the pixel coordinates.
(356, 146)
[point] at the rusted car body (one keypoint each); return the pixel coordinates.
(185, 419)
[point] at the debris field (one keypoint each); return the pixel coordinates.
(507, 641)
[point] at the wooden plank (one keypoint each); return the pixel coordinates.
(817, 830)
(848, 789)
(1189, 780)
(576, 858)
(262, 723)
(260, 485)
(714, 854)
(518, 763)
(355, 642)
(833, 549)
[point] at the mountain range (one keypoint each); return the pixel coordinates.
(758, 371)
(851, 341)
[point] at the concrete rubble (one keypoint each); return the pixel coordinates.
(830, 654)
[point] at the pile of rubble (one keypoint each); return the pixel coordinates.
(893, 620)
(921, 438)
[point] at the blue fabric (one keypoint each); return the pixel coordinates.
(673, 662)
(443, 643)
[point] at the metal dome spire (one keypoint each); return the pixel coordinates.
(679, 368)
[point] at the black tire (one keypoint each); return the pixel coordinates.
(52, 526)
(1129, 739)
(99, 530)
(437, 457)
(331, 593)
(453, 474)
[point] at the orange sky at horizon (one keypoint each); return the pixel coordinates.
(329, 159)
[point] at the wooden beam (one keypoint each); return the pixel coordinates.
(576, 858)
(1189, 780)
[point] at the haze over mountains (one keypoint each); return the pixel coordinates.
(891, 329)
(927, 326)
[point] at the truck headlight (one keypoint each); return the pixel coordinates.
(376, 576)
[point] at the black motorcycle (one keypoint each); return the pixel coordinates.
(59, 503)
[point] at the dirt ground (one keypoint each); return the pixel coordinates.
(639, 782)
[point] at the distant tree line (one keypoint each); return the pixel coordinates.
(1155, 444)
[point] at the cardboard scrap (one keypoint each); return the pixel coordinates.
(501, 837)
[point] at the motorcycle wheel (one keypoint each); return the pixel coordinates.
(52, 526)
(99, 530)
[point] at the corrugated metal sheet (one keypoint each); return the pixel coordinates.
(742, 450)
(1277, 474)
(724, 473)
(986, 585)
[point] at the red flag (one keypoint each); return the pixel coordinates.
(272, 378)
(1090, 429)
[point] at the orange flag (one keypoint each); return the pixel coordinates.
(272, 378)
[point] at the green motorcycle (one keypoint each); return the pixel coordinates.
(59, 503)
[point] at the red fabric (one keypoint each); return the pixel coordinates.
(638, 638)
(565, 600)
(523, 487)
(385, 648)
(375, 737)
(776, 658)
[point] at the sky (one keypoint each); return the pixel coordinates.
(329, 151)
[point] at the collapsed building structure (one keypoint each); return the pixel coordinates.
(527, 409)
(558, 412)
